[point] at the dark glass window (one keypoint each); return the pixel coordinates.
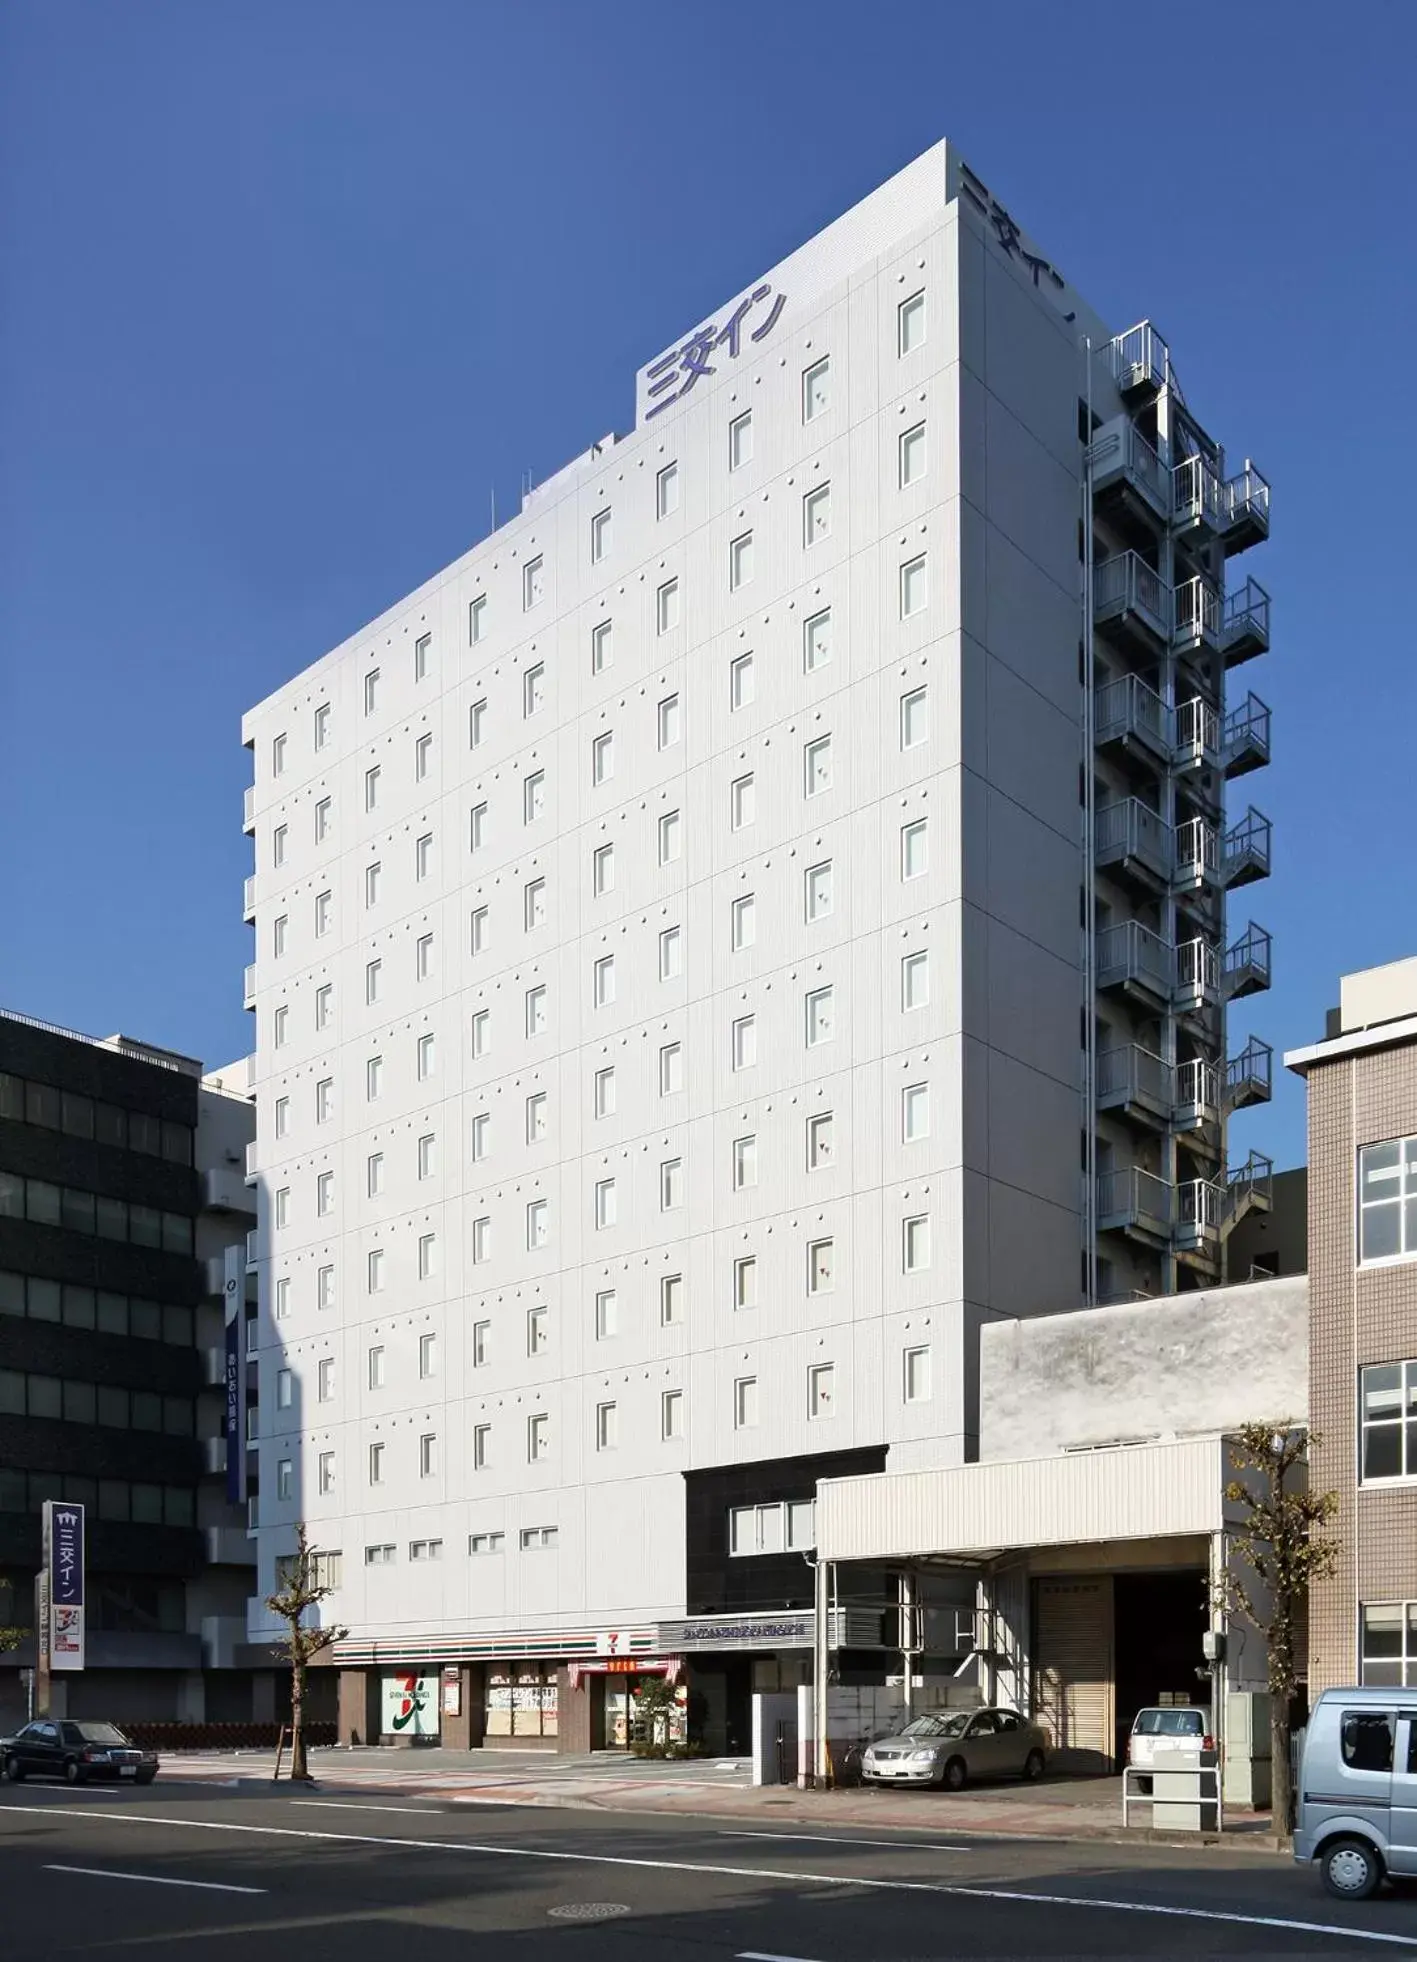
(177, 1143)
(46, 1396)
(12, 1294)
(80, 1404)
(146, 1319)
(12, 1393)
(111, 1221)
(42, 1202)
(147, 1411)
(12, 1097)
(144, 1134)
(147, 1505)
(177, 1416)
(113, 1314)
(12, 1196)
(78, 1308)
(1367, 1739)
(144, 1226)
(45, 1297)
(112, 1407)
(176, 1233)
(14, 1496)
(112, 1499)
(76, 1210)
(77, 1115)
(110, 1125)
(42, 1105)
(177, 1326)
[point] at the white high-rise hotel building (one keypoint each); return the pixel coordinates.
(754, 917)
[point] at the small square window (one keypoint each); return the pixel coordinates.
(817, 640)
(915, 1112)
(325, 1194)
(324, 909)
(371, 691)
(914, 718)
(534, 904)
(277, 756)
(280, 933)
(671, 1300)
(533, 796)
(742, 802)
(821, 1267)
(743, 917)
(914, 594)
(534, 690)
(426, 1057)
(481, 1031)
(371, 787)
(325, 1473)
(740, 440)
(376, 1464)
(324, 1287)
(481, 1447)
(422, 656)
(607, 1205)
(671, 1185)
(816, 389)
(745, 1403)
(476, 619)
(476, 724)
(602, 756)
(817, 514)
(481, 1248)
(821, 1390)
(817, 766)
(537, 1011)
(604, 1085)
(602, 863)
(818, 886)
(374, 1174)
(278, 838)
(821, 1141)
(667, 606)
(671, 1069)
(325, 1380)
(745, 1162)
(533, 584)
(538, 1447)
(282, 1115)
(666, 490)
(607, 1427)
(428, 1455)
(599, 537)
(538, 1224)
(740, 561)
(373, 980)
(820, 1016)
(423, 951)
(742, 682)
(745, 1042)
(607, 1315)
(322, 820)
(671, 1414)
(537, 1117)
(916, 1371)
(602, 647)
(282, 1205)
(479, 930)
(374, 1275)
(376, 1368)
(914, 981)
(670, 722)
(910, 323)
(374, 1078)
(481, 1135)
(422, 757)
(282, 1301)
(671, 954)
(912, 455)
(914, 849)
(373, 881)
(423, 856)
(481, 1344)
(670, 837)
(427, 1256)
(427, 1155)
(604, 973)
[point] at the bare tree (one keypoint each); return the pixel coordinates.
(301, 1589)
(1281, 1543)
(10, 1635)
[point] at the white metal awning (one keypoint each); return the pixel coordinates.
(1127, 1492)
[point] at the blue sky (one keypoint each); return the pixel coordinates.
(287, 288)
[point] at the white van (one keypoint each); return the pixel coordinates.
(1356, 1801)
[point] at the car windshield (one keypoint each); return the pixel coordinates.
(101, 1734)
(951, 1726)
(1167, 1723)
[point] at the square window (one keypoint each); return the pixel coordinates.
(607, 1315)
(476, 619)
(602, 756)
(602, 863)
(428, 1455)
(324, 1194)
(280, 934)
(427, 1155)
(820, 1016)
(671, 1185)
(915, 1112)
(538, 1224)
(373, 883)
(278, 838)
(537, 1011)
(481, 1446)
(914, 849)
(534, 690)
(481, 1135)
(538, 1336)
(604, 972)
(480, 930)
(325, 1473)
(423, 956)
(740, 440)
(744, 922)
(669, 722)
(476, 724)
(666, 606)
(324, 1004)
(602, 647)
(282, 1300)
(817, 766)
(477, 827)
(916, 1369)
(671, 954)
(671, 1069)
(282, 1116)
(371, 787)
(914, 981)
(371, 691)
(745, 1162)
(376, 1367)
(914, 594)
(817, 640)
(821, 1141)
(607, 1427)
(816, 389)
(374, 1174)
(740, 561)
(427, 1256)
(376, 1464)
(422, 757)
(742, 682)
(534, 904)
(533, 796)
(671, 1300)
(670, 838)
(599, 537)
(426, 1057)
(322, 820)
(373, 980)
(374, 1273)
(821, 1267)
(373, 1078)
(671, 1414)
(538, 1444)
(325, 1379)
(537, 1117)
(607, 1207)
(481, 1344)
(285, 1479)
(912, 455)
(910, 323)
(481, 1031)
(745, 1403)
(914, 718)
(817, 514)
(423, 856)
(285, 1387)
(666, 490)
(742, 802)
(422, 650)
(821, 1390)
(818, 886)
(745, 1042)
(533, 584)
(277, 756)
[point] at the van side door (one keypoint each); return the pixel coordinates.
(1402, 1837)
(1363, 1776)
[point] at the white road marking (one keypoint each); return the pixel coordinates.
(833, 1839)
(357, 1805)
(766, 1955)
(158, 1880)
(956, 1889)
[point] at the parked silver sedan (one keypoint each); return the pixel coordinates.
(949, 1747)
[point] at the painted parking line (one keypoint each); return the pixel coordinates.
(956, 1889)
(158, 1880)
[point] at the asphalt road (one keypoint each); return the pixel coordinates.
(230, 1875)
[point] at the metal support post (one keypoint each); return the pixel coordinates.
(821, 1639)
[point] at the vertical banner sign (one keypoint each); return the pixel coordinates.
(234, 1294)
(64, 1563)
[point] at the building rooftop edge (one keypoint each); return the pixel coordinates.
(1382, 1035)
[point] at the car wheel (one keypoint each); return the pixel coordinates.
(1351, 1869)
(956, 1775)
(1033, 1766)
(14, 1771)
(145, 1777)
(73, 1772)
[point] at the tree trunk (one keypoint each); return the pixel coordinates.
(1281, 1775)
(299, 1769)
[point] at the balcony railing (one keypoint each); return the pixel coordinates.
(1197, 1090)
(1198, 610)
(1198, 497)
(1200, 1212)
(1141, 359)
(1135, 1079)
(1197, 974)
(248, 808)
(1197, 733)
(1128, 711)
(1244, 737)
(1249, 1077)
(248, 898)
(1249, 1186)
(1247, 963)
(251, 1160)
(1129, 597)
(253, 1248)
(1121, 457)
(249, 994)
(1130, 835)
(1132, 956)
(1246, 509)
(1247, 849)
(1197, 854)
(1245, 631)
(1135, 1200)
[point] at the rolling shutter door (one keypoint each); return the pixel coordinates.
(1073, 1671)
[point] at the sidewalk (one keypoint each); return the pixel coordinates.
(1056, 1809)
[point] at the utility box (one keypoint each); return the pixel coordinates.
(1185, 1794)
(1248, 1780)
